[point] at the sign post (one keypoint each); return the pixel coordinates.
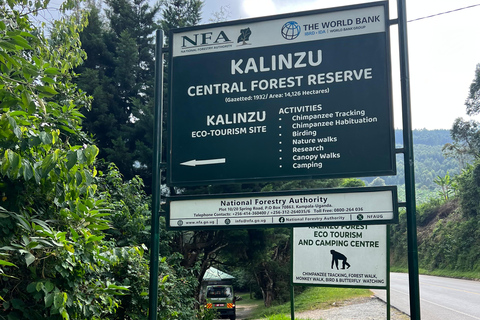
(157, 158)
(414, 281)
(287, 97)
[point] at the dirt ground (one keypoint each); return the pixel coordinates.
(360, 309)
(244, 311)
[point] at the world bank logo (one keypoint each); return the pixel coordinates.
(291, 30)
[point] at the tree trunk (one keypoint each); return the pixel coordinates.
(265, 282)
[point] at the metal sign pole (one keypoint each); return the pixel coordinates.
(409, 165)
(388, 274)
(157, 158)
(292, 289)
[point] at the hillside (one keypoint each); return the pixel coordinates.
(448, 239)
(430, 163)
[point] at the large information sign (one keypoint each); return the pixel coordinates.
(348, 256)
(284, 209)
(305, 95)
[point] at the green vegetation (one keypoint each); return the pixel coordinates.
(72, 231)
(431, 162)
(448, 228)
(74, 214)
(472, 275)
(448, 241)
(119, 75)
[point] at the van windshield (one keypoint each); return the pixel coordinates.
(219, 292)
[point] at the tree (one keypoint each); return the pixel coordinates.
(466, 142)
(123, 96)
(466, 134)
(119, 74)
(47, 179)
(466, 139)
(473, 100)
(180, 13)
(223, 14)
(59, 256)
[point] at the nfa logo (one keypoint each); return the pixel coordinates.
(204, 39)
(291, 30)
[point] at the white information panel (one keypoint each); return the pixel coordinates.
(354, 255)
(357, 205)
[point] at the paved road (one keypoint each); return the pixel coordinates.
(440, 298)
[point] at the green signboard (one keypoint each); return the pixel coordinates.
(304, 95)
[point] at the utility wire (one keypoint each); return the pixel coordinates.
(439, 14)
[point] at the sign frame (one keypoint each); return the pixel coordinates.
(386, 266)
(231, 175)
(279, 194)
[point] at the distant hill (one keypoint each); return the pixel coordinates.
(429, 162)
(426, 137)
(447, 239)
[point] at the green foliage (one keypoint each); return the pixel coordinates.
(469, 190)
(352, 183)
(180, 13)
(243, 281)
(398, 241)
(473, 100)
(431, 161)
(446, 239)
(119, 74)
(206, 314)
(426, 212)
(466, 133)
(448, 236)
(52, 218)
(129, 224)
(71, 236)
(453, 245)
(447, 184)
(466, 138)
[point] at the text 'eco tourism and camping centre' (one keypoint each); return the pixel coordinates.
(351, 256)
(292, 96)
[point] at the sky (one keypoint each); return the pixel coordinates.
(443, 50)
